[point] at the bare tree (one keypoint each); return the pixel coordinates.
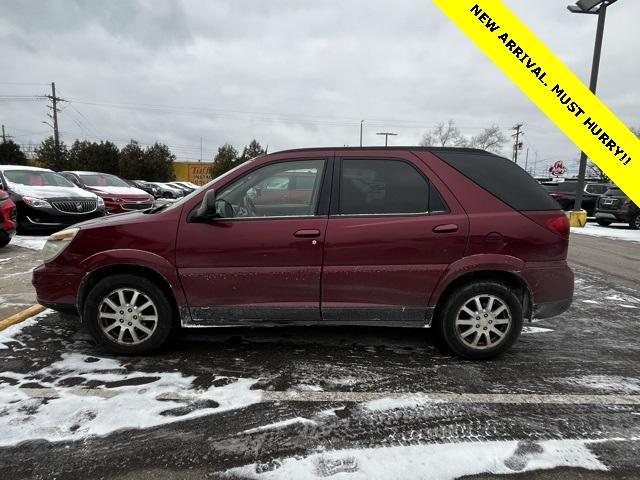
(491, 139)
(444, 135)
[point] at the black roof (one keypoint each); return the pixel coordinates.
(405, 148)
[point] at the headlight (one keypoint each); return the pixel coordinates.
(100, 202)
(57, 243)
(36, 202)
(113, 199)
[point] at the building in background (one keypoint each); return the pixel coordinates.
(194, 172)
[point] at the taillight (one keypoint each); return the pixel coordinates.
(559, 225)
(558, 194)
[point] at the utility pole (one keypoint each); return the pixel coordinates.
(54, 116)
(517, 145)
(4, 138)
(526, 161)
(200, 149)
(386, 136)
(361, 122)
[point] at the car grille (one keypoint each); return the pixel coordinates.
(609, 203)
(76, 206)
(136, 206)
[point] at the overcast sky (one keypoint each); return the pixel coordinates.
(291, 73)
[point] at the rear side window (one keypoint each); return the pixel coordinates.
(502, 178)
(596, 189)
(385, 187)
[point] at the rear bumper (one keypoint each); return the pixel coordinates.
(551, 285)
(622, 215)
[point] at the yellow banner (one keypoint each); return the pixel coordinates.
(552, 87)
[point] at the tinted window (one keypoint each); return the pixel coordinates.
(596, 188)
(502, 178)
(275, 190)
(370, 187)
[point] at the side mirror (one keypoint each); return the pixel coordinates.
(207, 209)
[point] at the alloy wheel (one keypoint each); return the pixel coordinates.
(483, 322)
(127, 316)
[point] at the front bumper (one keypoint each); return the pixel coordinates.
(56, 289)
(48, 219)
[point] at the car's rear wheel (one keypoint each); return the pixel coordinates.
(481, 320)
(128, 314)
(635, 222)
(603, 223)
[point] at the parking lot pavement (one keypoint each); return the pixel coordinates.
(16, 264)
(328, 402)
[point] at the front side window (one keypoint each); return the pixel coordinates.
(285, 189)
(384, 187)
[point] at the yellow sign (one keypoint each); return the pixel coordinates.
(197, 173)
(552, 87)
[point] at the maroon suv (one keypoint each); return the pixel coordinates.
(456, 239)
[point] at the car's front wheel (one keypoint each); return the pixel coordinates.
(481, 320)
(128, 314)
(635, 222)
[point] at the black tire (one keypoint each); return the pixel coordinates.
(634, 223)
(4, 241)
(458, 299)
(603, 223)
(103, 289)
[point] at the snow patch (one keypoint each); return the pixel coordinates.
(281, 424)
(613, 233)
(433, 462)
(394, 403)
(9, 335)
(34, 243)
(528, 329)
(605, 383)
(144, 399)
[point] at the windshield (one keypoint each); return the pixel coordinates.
(102, 180)
(36, 178)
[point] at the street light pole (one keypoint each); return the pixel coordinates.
(595, 68)
(361, 122)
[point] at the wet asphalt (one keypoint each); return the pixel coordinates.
(592, 351)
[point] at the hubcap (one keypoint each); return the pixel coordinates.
(483, 322)
(127, 316)
(637, 221)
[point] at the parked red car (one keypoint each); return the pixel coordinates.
(117, 194)
(456, 239)
(8, 218)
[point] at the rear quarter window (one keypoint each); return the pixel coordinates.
(500, 177)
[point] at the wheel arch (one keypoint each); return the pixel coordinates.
(453, 280)
(169, 285)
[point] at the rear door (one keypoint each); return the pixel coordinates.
(392, 232)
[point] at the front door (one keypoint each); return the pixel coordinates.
(390, 237)
(261, 260)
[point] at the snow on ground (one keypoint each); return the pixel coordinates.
(433, 462)
(614, 232)
(281, 424)
(9, 335)
(34, 243)
(604, 383)
(138, 404)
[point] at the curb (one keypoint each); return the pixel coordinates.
(21, 316)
